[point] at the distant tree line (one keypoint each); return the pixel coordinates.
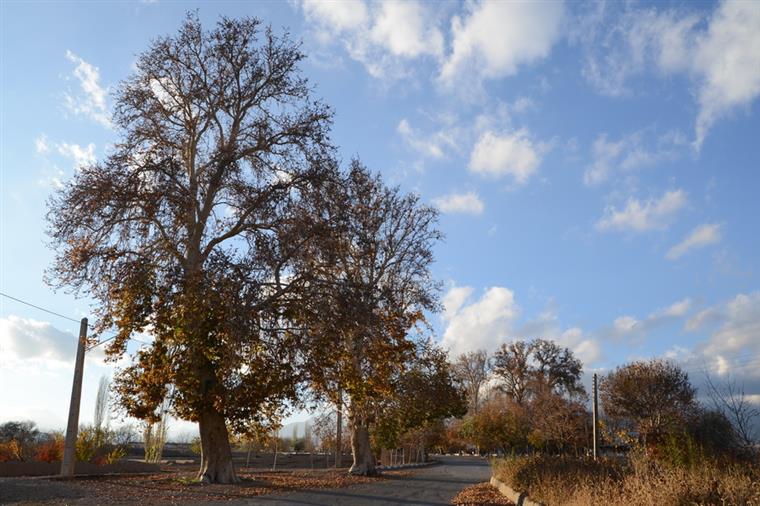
(528, 397)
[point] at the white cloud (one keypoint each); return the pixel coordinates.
(403, 27)
(462, 203)
(82, 156)
(430, 146)
(728, 63)
(734, 344)
(720, 53)
(483, 324)
(522, 104)
(605, 153)
(24, 339)
(91, 102)
(584, 348)
(492, 320)
(625, 324)
(41, 144)
(495, 38)
(547, 326)
(702, 236)
(641, 216)
(510, 154)
(675, 310)
(621, 48)
(454, 299)
(631, 152)
(52, 176)
(704, 318)
(25, 342)
(383, 36)
(340, 16)
(630, 327)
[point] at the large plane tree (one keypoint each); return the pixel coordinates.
(373, 289)
(190, 227)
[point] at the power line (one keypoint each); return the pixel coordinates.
(40, 308)
(66, 318)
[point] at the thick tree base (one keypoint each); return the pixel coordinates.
(364, 471)
(221, 477)
(216, 456)
(364, 461)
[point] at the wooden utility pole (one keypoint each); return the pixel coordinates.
(70, 445)
(596, 419)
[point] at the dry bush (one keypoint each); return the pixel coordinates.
(50, 450)
(567, 481)
(11, 451)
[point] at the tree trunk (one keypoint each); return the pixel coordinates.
(364, 461)
(339, 434)
(216, 455)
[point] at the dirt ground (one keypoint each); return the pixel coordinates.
(174, 485)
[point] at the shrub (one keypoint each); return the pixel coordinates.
(87, 444)
(18, 440)
(11, 451)
(115, 455)
(50, 450)
(195, 445)
(639, 480)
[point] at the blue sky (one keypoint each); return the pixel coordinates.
(596, 165)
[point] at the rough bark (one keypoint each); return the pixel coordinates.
(339, 436)
(364, 460)
(216, 455)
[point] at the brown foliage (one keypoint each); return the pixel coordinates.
(471, 370)
(526, 369)
(374, 283)
(51, 450)
(652, 397)
(482, 494)
(191, 226)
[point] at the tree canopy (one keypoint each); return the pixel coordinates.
(375, 284)
(527, 369)
(190, 228)
(650, 396)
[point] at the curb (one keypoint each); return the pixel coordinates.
(519, 498)
(407, 466)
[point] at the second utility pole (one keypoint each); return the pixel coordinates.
(70, 445)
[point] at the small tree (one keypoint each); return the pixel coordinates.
(728, 398)
(18, 439)
(653, 396)
(471, 371)
(101, 417)
(375, 283)
(498, 425)
(527, 369)
(558, 424)
(424, 395)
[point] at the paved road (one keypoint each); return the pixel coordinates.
(429, 486)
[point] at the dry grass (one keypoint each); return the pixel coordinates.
(569, 481)
(482, 494)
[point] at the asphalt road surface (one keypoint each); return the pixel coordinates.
(433, 485)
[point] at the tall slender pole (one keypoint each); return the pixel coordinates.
(70, 445)
(596, 419)
(339, 432)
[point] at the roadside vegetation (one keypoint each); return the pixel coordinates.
(659, 444)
